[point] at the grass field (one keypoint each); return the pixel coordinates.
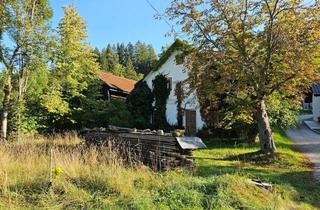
(87, 179)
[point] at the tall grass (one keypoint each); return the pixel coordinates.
(100, 178)
(78, 171)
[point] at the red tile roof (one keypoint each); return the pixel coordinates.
(116, 82)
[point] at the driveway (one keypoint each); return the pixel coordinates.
(308, 143)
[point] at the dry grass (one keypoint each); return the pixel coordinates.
(98, 178)
(77, 170)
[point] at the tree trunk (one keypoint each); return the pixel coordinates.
(6, 107)
(265, 134)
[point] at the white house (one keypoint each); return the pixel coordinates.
(316, 101)
(192, 120)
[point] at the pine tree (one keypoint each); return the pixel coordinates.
(97, 52)
(130, 52)
(121, 52)
(130, 71)
(119, 70)
(145, 57)
(110, 59)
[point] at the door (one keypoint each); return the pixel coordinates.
(191, 122)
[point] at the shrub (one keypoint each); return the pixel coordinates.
(139, 104)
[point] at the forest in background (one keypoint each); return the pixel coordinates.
(131, 61)
(49, 76)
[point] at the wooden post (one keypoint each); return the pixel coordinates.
(50, 185)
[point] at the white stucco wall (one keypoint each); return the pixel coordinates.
(315, 107)
(177, 73)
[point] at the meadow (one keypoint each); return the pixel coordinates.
(92, 178)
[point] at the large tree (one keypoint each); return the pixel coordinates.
(108, 59)
(255, 49)
(24, 24)
(145, 57)
(75, 68)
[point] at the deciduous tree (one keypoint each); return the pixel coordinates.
(24, 22)
(255, 48)
(75, 68)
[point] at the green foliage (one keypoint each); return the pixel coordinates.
(121, 52)
(91, 111)
(24, 37)
(75, 69)
(282, 112)
(118, 70)
(178, 45)
(139, 104)
(129, 61)
(130, 71)
(118, 114)
(76, 62)
(253, 50)
(180, 94)
(161, 93)
(53, 101)
(145, 57)
(108, 59)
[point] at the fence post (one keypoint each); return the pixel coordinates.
(50, 185)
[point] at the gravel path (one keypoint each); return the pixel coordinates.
(308, 142)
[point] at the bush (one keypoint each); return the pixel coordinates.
(118, 115)
(139, 104)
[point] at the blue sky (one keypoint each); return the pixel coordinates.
(112, 21)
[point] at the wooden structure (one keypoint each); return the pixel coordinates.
(158, 152)
(114, 86)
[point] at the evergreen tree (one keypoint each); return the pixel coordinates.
(110, 59)
(97, 52)
(103, 59)
(121, 52)
(119, 70)
(130, 71)
(130, 61)
(130, 52)
(145, 57)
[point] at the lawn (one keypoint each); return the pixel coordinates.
(87, 179)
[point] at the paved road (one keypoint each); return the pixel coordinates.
(309, 144)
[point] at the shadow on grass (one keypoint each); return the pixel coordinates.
(94, 186)
(258, 158)
(307, 190)
(31, 190)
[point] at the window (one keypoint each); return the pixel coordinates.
(169, 85)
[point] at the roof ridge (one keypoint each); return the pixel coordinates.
(176, 45)
(112, 80)
(106, 72)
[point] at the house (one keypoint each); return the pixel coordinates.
(316, 101)
(115, 86)
(176, 72)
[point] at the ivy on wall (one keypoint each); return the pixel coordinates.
(178, 45)
(161, 92)
(179, 93)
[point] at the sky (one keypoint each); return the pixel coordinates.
(112, 21)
